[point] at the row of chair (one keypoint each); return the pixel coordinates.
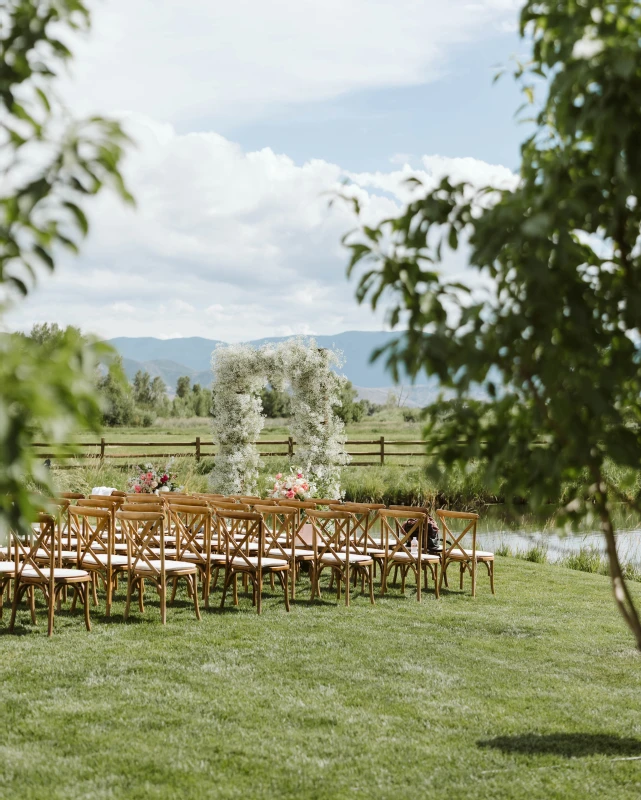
(84, 542)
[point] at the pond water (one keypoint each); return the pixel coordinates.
(522, 532)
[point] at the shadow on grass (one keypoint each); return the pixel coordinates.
(570, 745)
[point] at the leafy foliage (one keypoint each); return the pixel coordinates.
(553, 338)
(51, 165)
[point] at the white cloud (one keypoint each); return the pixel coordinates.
(226, 244)
(122, 308)
(200, 60)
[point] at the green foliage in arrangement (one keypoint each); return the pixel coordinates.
(52, 164)
(554, 340)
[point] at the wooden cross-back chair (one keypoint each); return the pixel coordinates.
(332, 547)
(398, 528)
(193, 528)
(71, 495)
(144, 531)
(140, 498)
(453, 550)
(112, 503)
(245, 554)
(31, 573)
(8, 570)
(96, 548)
(280, 526)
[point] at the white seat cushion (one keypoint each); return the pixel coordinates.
(266, 562)
(403, 557)
(341, 558)
(101, 559)
(465, 554)
(7, 567)
(170, 566)
(217, 558)
(30, 572)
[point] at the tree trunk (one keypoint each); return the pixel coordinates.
(622, 595)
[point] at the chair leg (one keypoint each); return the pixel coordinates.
(94, 581)
(196, 609)
(371, 582)
(236, 588)
(347, 576)
(259, 591)
(109, 587)
(14, 607)
(86, 599)
(284, 576)
(225, 585)
(461, 573)
(162, 594)
(130, 580)
(51, 599)
(418, 583)
(491, 571)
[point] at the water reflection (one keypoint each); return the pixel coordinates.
(521, 532)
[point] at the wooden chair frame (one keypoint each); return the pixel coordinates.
(244, 534)
(397, 552)
(453, 550)
(31, 573)
(144, 531)
(332, 547)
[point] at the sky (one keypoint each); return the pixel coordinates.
(247, 118)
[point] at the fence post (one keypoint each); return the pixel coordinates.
(290, 447)
(197, 448)
(382, 451)
(102, 449)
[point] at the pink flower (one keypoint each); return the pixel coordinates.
(290, 494)
(149, 475)
(300, 475)
(136, 488)
(165, 478)
(279, 476)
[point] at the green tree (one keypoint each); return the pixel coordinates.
(142, 388)
(555, 342)
(182, 387)
(276, 402)
(51, 164)
(350, 409)
(119, 407)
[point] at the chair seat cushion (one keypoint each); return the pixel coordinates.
(267, 562)
(66, 554)
(7, 567)
(463, 555)
(404, 558)
(341, 558)
(100, 559)
(58, 573)
(170, 566)
(214, 558)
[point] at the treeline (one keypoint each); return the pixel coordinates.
(140, 403)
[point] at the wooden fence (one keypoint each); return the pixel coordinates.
(103, 450)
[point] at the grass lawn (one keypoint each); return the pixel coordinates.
(533, 693)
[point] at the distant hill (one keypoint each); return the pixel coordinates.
(171, 358)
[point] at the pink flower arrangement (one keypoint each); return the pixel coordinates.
(148, 480)
(292, 487)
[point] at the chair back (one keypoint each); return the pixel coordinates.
(40, 553)
(142, 499)
(331, 533)
(414, 510)
(453, 541)
(71, 495)
(365, 515)
(243, 534)
(95, 530)
(398, 528)
(191, 525)
(280, 525)
(144, 532)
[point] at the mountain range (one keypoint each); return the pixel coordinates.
(172, 358)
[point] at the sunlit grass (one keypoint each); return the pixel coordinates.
(444, 698)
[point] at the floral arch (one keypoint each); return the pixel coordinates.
(240, 373)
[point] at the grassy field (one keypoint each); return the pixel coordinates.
(533, 693)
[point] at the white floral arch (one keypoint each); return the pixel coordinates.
(240, 372)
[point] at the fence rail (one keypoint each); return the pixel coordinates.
(201, 448)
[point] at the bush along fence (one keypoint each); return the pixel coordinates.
(361, 451)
